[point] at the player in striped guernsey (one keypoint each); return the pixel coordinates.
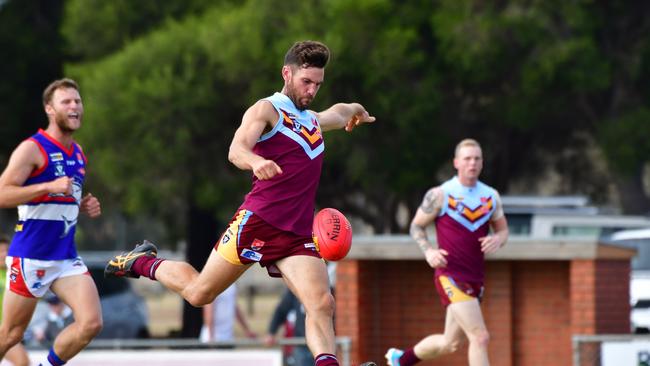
(44, 179)
(280, 140)
(463, 210)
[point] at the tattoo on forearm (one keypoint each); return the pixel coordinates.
(419, 234)
(428, 202)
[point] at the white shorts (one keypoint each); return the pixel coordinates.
(33, 277)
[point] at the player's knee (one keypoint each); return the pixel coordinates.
(9, 338)
(22, 362)
(323, 304)
(199, 298)
(90, 328)
(480, 337)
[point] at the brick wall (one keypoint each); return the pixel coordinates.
(531, 307)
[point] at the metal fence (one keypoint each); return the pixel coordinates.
(587, 348)
(343, 344)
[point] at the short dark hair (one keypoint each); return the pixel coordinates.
(58, 84)
(307, 54)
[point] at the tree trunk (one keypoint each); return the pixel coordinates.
(203, 232)
(633, 199)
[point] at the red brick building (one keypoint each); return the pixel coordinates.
(538, 294)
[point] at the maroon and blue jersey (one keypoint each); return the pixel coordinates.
(46, 225)
(463, 219)
(296, 144)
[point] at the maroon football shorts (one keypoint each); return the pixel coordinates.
(452, 291)
(249, 239)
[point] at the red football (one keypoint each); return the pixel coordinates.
(332, 234)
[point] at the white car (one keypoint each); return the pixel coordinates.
(640, 316)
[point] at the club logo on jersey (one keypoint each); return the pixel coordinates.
(40, 273)
(80, 159)
(57, 156)
(67, 226)
(18, 228)
(252, 255)
(486, 205)
(59, 171)
(464, 211)
(313, 137)
(296, 126)
(257, 244)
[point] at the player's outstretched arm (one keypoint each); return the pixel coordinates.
(23, 161)
(343, 115)
(256, 119)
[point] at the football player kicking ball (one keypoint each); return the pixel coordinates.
(281, 141)
(463, 210)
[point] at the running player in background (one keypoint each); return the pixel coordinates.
(44, 179)
(463, 210)
(17, 354)
(281, 142)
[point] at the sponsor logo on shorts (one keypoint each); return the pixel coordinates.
(252, 255)
(225, 239)
(77, 263)
(257, 244)
(310, 245)
(40, 273)
(227, 236)
(13, 276)
(450, 292)
(37, 285)
(57, 156)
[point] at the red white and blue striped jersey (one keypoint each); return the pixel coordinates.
(296, 144)
(47, 224)
(464, 217)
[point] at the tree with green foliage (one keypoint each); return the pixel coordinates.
(526, 79)
(32, 56)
